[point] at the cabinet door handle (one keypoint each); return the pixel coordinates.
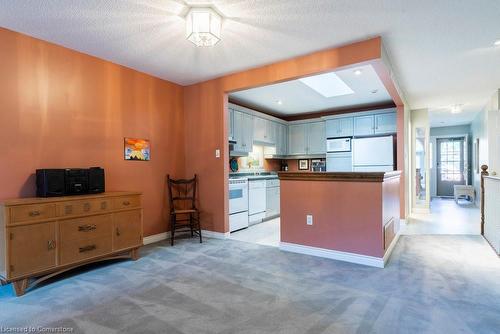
(86, 228)
(87, 248)
(51, 244)
(126, 203)
(104, 205)
(34, 213)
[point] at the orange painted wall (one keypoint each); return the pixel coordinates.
(61, 108)
(206, 119)
(337, 224)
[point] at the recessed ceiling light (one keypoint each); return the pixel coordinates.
(497, 42)
(456, 109)
(279, 102)
(375, 91)
(358, 72)
(328, 85)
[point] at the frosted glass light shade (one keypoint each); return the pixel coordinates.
(203, 26)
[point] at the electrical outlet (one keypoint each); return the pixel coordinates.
(217, 153)
(309, 219)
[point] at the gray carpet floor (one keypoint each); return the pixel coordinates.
(432, 284)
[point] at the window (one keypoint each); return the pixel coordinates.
(451, 160)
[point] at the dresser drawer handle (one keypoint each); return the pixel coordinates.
(104, 205)
(87, 248)
(126, 203)
(51, 244)
(34, 213)
(86, 207)
(86, 228)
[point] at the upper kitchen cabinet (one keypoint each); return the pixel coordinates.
(231, 124)
(316, 143)
(339, 127)
(264, 130)
(297, 139)
(242, 131)
(364, 125)
(383, 123)
(282, 139)
(306, 138)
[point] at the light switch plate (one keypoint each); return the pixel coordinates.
(217, 153)
(309, 219)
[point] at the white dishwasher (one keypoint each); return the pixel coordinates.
(256, 201)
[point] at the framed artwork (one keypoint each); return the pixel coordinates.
(137, 149)
(303, 164)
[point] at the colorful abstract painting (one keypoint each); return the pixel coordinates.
(137, 149)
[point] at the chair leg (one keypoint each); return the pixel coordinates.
(172, 229)
(191, 224)
(199, 225)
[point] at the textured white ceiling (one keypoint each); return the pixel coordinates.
(441, 49)
(296, 97)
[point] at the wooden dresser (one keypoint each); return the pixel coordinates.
(42, 237)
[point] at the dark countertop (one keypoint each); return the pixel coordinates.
(339, 176)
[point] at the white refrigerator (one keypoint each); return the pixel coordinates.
(375, 154)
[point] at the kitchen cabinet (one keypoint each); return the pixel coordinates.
(231, 123)
(297, 139)
(316, 140)
(243, 131)
(306, 138)
(339, 127)
(264, 130)
(384, 123)
(281, 139)
(364, 125)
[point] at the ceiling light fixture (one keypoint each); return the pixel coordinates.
(203, 26)
(279, 102)
(497, 42)
(358, 72)
(328, 85)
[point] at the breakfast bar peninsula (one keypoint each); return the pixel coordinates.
(348, 216)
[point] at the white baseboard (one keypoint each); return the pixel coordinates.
(332, 254)
(215, 235)
(155, 238)
(389, 250)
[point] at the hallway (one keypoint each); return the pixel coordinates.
(446, 217)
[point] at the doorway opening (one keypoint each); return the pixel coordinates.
(453, 207)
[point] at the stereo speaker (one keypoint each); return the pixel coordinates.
(96, 180)
(50, 182)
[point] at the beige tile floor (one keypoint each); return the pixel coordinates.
(446, 217)
(266, 233)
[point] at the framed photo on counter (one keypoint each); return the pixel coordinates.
(303, 164)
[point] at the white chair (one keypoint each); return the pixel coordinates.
(462, 190)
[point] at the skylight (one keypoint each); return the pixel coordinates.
(328, 85)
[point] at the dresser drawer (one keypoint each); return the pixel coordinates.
(83, 207)
(26, 213)
(86, 227)
(78, 250)
(126, 202)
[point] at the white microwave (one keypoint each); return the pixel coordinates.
(338, 145)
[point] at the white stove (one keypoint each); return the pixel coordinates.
(238, 203)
